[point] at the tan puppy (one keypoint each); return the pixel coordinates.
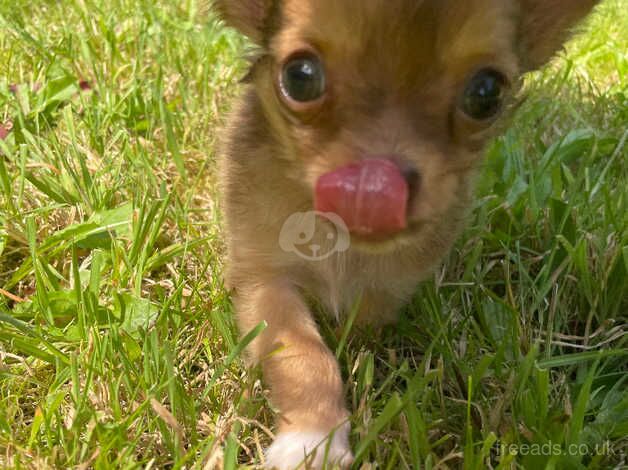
(349, 168)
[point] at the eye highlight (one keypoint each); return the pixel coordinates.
(303, 78)
(483, 96)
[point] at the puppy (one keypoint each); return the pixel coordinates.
(348, 171)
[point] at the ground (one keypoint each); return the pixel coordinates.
(117, 342)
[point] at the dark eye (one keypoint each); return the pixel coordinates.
(484, 94)
(303, 79)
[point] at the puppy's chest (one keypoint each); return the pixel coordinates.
(340, 280)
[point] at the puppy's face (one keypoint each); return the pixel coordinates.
(420, 84)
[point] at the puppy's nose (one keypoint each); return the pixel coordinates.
(409, 172)
(412, 177)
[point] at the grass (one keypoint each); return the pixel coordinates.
(117, 342)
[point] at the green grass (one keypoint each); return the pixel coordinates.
(117, 342)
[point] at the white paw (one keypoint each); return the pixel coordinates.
(310, 450)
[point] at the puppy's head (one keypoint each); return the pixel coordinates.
(382, 107)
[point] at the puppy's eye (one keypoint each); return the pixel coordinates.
(303, 79)
(484, 95)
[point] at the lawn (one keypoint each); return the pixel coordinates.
(118, 347)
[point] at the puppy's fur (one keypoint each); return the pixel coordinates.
(395, 73)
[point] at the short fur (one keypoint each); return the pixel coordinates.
(395, 71)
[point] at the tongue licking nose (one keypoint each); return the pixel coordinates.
(371, 196)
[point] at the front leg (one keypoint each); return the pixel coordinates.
(303, 376)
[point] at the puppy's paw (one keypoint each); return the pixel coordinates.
(311, 450)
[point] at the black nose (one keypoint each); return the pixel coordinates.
(413, 178)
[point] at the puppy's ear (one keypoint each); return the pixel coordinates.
(546, 25)
(253, 18)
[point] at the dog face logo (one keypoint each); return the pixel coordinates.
(299, 231)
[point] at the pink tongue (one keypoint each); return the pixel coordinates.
(371, 196)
